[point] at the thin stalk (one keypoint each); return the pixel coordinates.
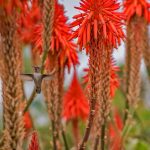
(53, 132)
(103, 136)
(29, 102)
(75, 131)
(65, 139)
(126, 112)
(127, 126)
(148, 70)
(59, 106)
(96, 144)
(43, 61)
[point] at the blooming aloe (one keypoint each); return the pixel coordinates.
(99, 31)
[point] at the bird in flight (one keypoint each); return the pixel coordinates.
(37, 77)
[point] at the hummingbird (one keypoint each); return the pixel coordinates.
(37, 77)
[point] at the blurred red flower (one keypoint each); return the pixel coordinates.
(115, 130)
(99, 20)
(29, 18)
(75, 103)
(114, 79)
(137, 7)
(27, 121)
(10, 5)
(34, 144)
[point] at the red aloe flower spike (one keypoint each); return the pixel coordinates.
(137, 7)
(75, 103)
(34, 144)
(99, 30)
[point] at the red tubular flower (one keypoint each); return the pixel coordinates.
(137, 7)
(34, 145)
(115, 132)
(114, 79)
(60, 38)
(75, 103)
(99, 20)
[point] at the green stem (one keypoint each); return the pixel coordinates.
(65, 139)
(126, 130)
(126, 106)
(128, 125)
(43, 61)
(148, 71)
(54, 136)
(126, 111)
(96, 144)
(30, 100)
(103, 136)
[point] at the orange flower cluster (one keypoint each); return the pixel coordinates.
(99, 20)
(137, 7)
(114, 79)
(75, 103)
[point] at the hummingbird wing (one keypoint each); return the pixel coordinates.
(27, 77)
(47, 77)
